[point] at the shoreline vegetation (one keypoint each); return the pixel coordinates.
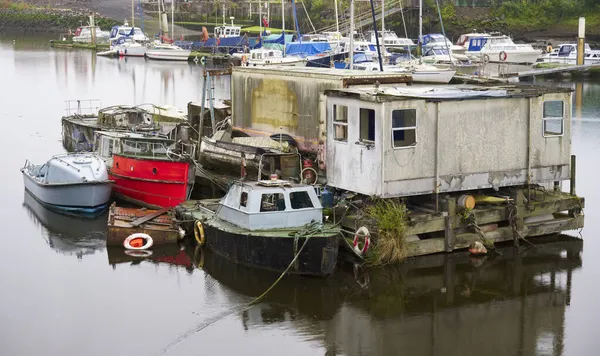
(24, 16)
(525, 20)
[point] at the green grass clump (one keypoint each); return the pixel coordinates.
(391, 216)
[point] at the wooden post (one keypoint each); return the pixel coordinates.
(581, 42)
(520, 202)
(573, 175)
(449, 224)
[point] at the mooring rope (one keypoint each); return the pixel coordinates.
(308, 231)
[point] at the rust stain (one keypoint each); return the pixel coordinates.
(274, 104)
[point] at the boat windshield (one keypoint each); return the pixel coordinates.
(140, 148)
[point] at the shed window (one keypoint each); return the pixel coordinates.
(340, 123)
(553, 118)
(272, 202)
(404, 128)
(300, 200)
(367, 125)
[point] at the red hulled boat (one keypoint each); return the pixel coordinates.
(153, 172)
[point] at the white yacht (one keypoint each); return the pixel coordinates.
(567, 54)
(463, 41)
(83, 34)
(501, 49)
(124, 30)
(437, 40)
(127, 46)
(390, 40)
(268, 57)
(169, 52)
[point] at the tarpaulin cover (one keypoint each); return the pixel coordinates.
(306, 48)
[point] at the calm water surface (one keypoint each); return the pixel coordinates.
(63, 293)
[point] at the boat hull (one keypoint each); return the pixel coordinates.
(275, 252)
(517, 57)
(131, 51)
(88, 198)
(168, 55)
(443, 76)
(151, 183)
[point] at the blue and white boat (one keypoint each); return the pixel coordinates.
(72, 183)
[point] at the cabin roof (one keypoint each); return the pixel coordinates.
(445, 92)
(268, 185)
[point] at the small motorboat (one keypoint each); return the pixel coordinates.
(269, 224)
(73, 183)
(168, 52)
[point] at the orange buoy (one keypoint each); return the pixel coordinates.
(137, 242)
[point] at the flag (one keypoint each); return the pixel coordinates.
(265, 23)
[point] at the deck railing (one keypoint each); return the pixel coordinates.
(82, 107)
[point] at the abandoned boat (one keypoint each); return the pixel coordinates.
(81, 123)
(153, 172)
(266, 224)
(69, 183)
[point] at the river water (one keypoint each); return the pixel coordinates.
(63, 293)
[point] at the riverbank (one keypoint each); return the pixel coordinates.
(25, 17)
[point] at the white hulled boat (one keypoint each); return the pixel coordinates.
(492, 48)
(268, 57)
(567, 54)
(169, 52)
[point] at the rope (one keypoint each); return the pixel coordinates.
(308, 231)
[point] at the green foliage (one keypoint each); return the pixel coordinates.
(391, 216)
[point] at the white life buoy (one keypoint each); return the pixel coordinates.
(138, 253)
(502, 56)
(361, 232)
(203, 60)
(132, 243)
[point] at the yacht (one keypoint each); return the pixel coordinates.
(437, 40)
(269, 57)
(124, 30)
(567, 54)
(502, 49)
(127, 46)
(463, 41)
(168, 51)
(84, 34)
(391, 41)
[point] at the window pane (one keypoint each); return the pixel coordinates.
(404, 118)
(244, 199)
(553, 127)
(404, 138)
(341, 132)
(272, 202)
(340, 113)
(367, 124)
(553, 109)
(300, 200)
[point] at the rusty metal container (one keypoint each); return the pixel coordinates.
(122, 223)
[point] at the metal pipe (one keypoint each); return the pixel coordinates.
(376, 37)
(337, 18)
(283, 24)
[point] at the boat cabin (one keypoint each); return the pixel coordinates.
(403, 141)
(266, 205)
(226, 31)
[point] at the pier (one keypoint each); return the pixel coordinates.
(554, 70)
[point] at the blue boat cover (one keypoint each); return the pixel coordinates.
(306, 48)
(476, 44)
(279, 39)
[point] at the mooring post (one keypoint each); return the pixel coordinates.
(520, 202)
(573, 175)
(449, 223)
(581, 42)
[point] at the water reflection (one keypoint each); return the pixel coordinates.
(508, 304)
(66, 234)
(170, 254)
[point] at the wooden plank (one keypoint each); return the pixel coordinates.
(149, 217)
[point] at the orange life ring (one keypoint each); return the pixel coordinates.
(502, 56)
(361, 232)
(138, 241)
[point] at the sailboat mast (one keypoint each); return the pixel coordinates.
(260, 19)
(172, 19)
(337, 18)
(420, 48)
(283, 24)
(351, 54)
(132, 13)
(382, 16)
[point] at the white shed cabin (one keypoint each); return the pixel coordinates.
(267, 205)
(403, 141)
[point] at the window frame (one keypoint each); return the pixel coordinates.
(545, 119)
(361, 140)
(339, 123)
(392, 129)
(308, 197)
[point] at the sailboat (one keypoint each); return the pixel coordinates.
(169, 51)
